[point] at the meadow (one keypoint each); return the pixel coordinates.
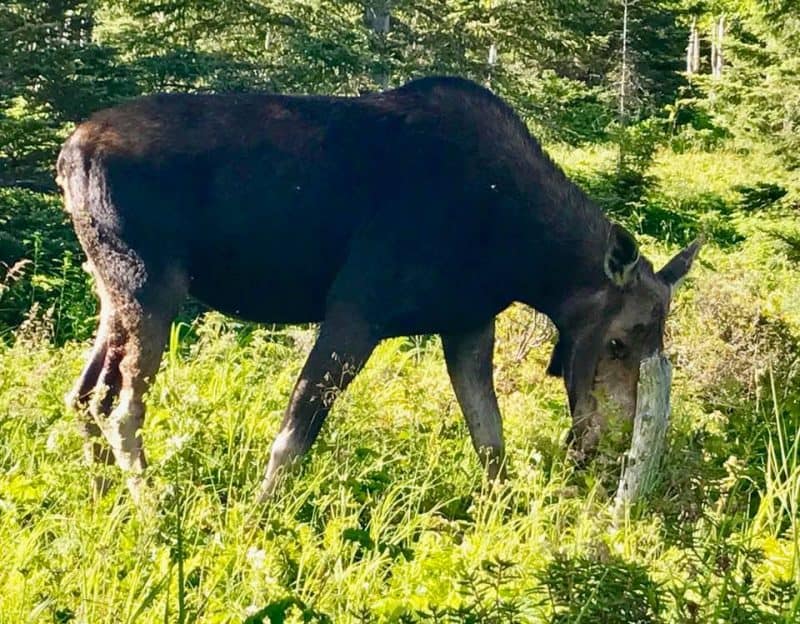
(389, 518)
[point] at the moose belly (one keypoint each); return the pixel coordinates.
(265, 274)
(266, 296)
(267, 268)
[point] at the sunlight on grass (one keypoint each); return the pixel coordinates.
(388, 519)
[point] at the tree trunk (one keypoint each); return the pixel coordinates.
(717, 35)
(491, 61)
(641, 464)
(623, 79)
(624, 86)
(378, 18)
(693, 50)
(487, 8)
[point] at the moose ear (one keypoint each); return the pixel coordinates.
(622, 255)
(677, 268)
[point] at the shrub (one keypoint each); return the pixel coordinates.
(40, 267)
(595, 589)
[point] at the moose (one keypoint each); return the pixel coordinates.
(426, 209)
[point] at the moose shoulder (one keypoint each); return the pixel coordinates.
(425, 209)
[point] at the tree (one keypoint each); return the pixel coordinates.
(51, 73)
(758, 95)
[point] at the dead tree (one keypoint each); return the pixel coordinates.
(378, 18)
(642, 462)
(717, 35)
(693, 50)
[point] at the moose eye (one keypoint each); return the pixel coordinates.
(617, 349)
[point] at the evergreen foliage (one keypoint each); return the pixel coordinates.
(561, 65)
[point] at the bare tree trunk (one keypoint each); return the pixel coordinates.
(378, 18)
(491, 61)
(491, 57)
(624, 85)
(717, 35)
(642, 463)
(623, 79)
(693, 50)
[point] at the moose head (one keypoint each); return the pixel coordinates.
(606, 332)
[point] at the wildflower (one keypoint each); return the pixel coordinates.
(256, 557)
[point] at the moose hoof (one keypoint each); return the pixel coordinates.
(72, 401)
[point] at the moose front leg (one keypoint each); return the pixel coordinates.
(584, 436)
(469, 363)
(341, 350)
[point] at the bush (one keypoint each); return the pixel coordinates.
(730, 335)
(40, 267)
(601, 589)
(692, 125)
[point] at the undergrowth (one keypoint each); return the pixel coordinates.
(388, 519)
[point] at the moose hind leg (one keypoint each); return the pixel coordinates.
(105, 394)
(95, 391)
(469, 363)
(145, 318)
(342, 348)
(79, 397)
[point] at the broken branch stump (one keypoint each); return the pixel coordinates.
(641, 463)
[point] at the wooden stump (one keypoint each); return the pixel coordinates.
(641, 463)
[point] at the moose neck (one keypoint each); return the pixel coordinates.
(567, 238)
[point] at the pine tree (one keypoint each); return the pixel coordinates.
(757, 95)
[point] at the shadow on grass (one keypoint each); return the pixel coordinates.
(637, 201)
(601, 589)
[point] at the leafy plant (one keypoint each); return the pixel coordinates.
(586, 589)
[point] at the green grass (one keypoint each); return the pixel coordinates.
(388, 519)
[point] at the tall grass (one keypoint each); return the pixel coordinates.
(778, 513)
(389, 518)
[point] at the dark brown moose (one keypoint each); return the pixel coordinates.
(425, 209)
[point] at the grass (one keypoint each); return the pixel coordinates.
(388, 519)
